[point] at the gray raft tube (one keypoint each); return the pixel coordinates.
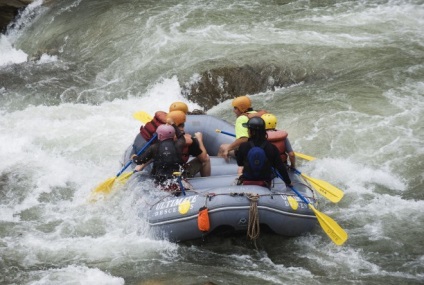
(212, 140)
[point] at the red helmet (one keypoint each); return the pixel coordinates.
(165, 132)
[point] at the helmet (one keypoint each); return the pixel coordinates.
(270, 121)
(242, 103)
(255, 123)
(165, 132)
(179, 106)
(179, 117)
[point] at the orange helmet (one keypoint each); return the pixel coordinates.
(179, 106)
(242, 103)
(179, 117)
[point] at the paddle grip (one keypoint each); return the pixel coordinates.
(228, 134)
(138, 153)
(181, 185)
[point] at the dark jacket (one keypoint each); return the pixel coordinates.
(273, 156)
(165, 162)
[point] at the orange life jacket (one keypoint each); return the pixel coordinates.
(278, 138)
(149, 129)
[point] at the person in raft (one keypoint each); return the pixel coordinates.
(279, 138)
(166, 156)
(147, 131)
(259, 158)
(242, 108)
(192, 146)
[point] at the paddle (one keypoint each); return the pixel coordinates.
(324, 188)
(106, 186)
(301, 155)
(330, 227)
(142, 116)
(178, 174)
(292, 202)
(304, 156)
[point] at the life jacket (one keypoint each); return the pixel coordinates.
(167, 160)
(185, 154)
(149, 128)
(278, 138)
(256, 164)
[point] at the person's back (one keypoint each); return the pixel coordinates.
(166, 161)
(258, 157)
(166, 155)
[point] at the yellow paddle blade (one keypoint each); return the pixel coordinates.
(324, 188)
(123, 178)
(330, 227)
(143, 117)
(105, 187)
(292, 202)
(304, 156)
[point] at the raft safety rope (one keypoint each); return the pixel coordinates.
(253, 229)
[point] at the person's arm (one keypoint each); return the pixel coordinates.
(279, 165)
(240, 156)
(145, 157)
(204, 158)
(236, 144)
(140, 167)
(290, 152)
(204, 155)
(242, 135)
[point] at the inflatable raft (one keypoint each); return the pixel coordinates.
(216, 205)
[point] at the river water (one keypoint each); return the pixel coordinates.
(345, 79)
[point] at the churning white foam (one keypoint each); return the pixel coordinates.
(76, 275)
(8, 54)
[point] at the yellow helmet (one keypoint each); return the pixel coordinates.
(179, 106)
(179, 117)
(270, 121)
(242, 103)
